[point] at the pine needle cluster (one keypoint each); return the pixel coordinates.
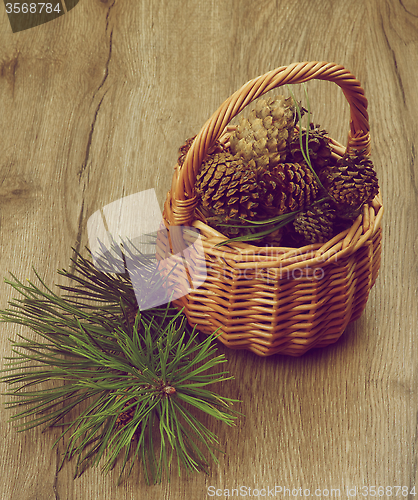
(127, 385)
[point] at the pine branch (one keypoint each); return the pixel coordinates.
(126, 385)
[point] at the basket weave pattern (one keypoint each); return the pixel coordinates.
(275, 299)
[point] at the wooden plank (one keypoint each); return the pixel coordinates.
(94, 106)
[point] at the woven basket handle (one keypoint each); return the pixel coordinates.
(182, 192)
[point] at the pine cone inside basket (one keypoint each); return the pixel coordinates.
(318, 147)
(316, 224)
(263, 136)
(262, 174)
(216, 148)
(351, 182)
(285, 188)
(227, 189)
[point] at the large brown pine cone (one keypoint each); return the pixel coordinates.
(227, 189)
(351, 182)
(285, 188)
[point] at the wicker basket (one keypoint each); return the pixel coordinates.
(274, 299)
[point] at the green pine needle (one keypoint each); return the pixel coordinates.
(120, 391)
(279, 221)
(288, 217)
(305, 148)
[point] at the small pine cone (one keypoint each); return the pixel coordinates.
(217, 148)
(126, 415)
(226, 188)
(318, 147)
(286, 188)
(263, 136)
(183, 150)
(352, 181)
(316, 224)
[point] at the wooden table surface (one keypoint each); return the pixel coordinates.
(94, 106)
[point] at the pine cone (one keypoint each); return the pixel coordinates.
(351, 182)
(263, 136)
(316, 224)
(285, 188)
(318, 147)
(216, 148)
(226, 189)
(127, 414)
(183, 150)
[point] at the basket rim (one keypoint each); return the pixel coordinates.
(244, 255)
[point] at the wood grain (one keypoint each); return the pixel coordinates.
(93, 107)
